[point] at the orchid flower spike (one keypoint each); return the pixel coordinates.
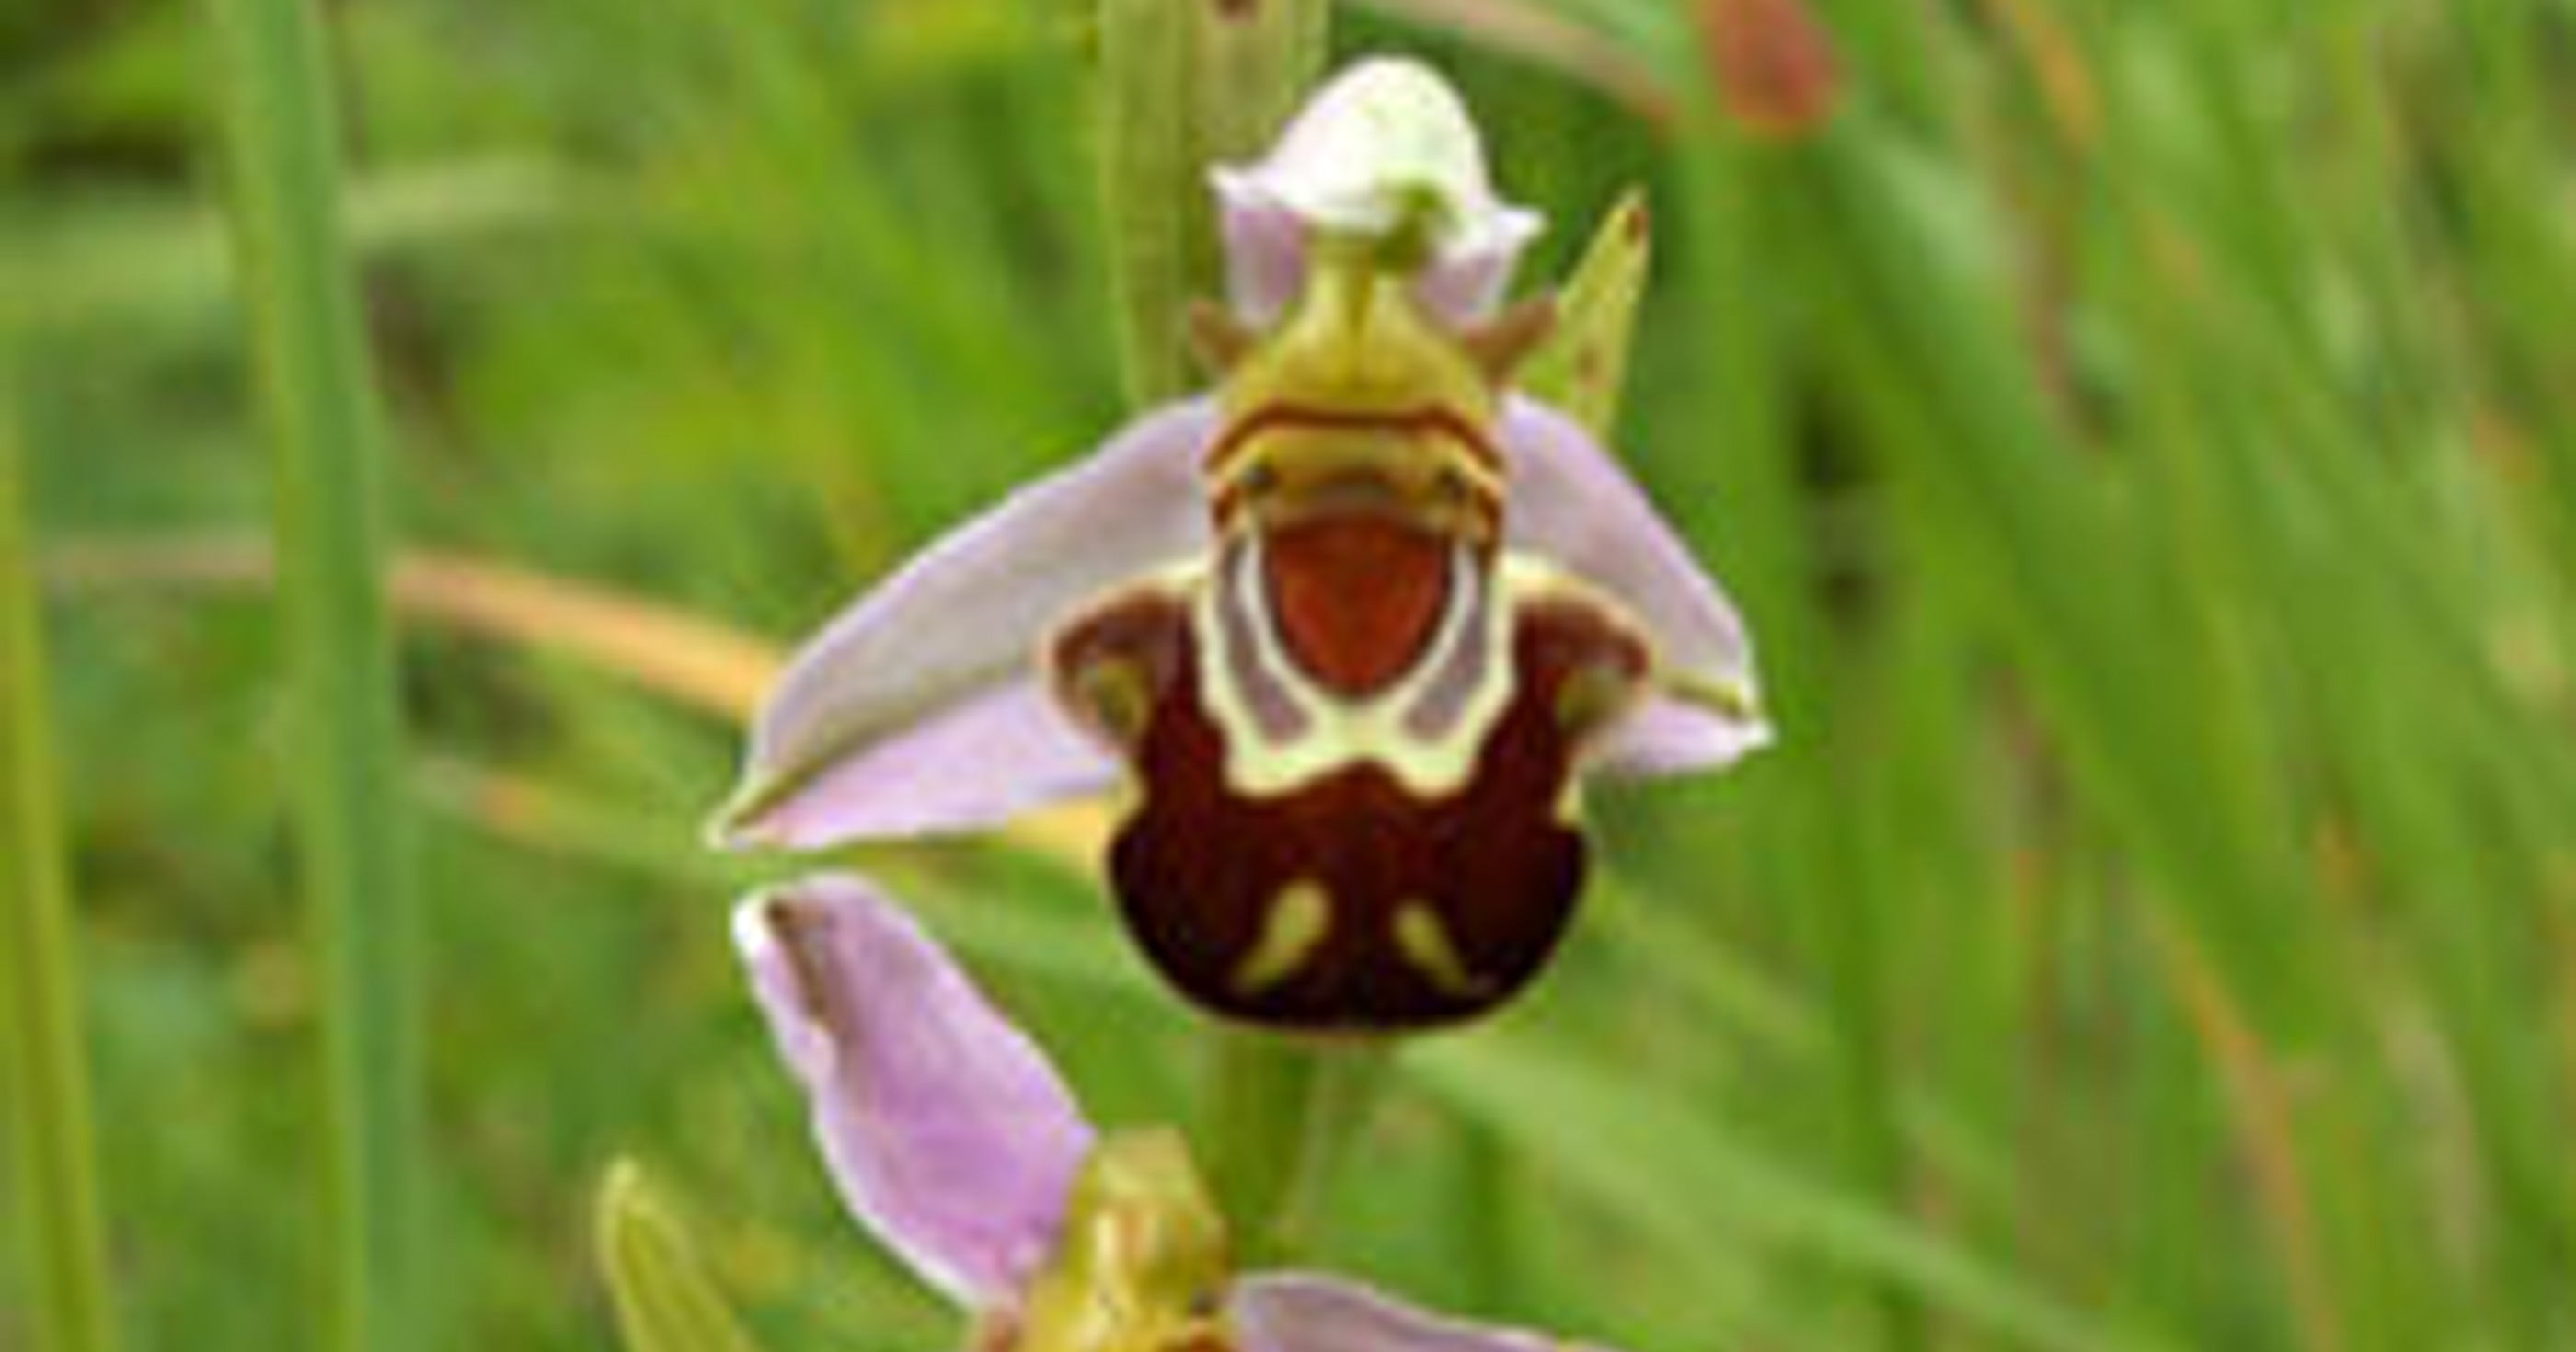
(1355, 625)
(955, 1143)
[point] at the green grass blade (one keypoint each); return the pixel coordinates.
(40, 1046)
(319, 401)
(1687, 1181)
(89, 266)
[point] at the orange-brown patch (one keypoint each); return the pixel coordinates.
(1356, 596)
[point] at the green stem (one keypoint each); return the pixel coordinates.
(1281, 1114)
(41, 1065)
(1487, 1218)
(1186, 84)
(320, 404)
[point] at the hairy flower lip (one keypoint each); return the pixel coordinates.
(955, 1142)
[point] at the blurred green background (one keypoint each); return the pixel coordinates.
(2144, 437)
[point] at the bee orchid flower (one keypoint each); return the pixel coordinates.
(1354, 625)
(953, 1141)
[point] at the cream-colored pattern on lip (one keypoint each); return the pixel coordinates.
(1339, 732)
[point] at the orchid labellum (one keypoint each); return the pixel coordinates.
(1355, 624)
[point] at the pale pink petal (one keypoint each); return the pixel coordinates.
(950, 1135)
(1465, 285)
(962, 622)
(976, 763)
(1265, 251)
(1383, 150)
(1570, 502)
(1306, 1312)
(1265, 257)
(1385, 142)
(1666, 736)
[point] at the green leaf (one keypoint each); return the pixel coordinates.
(324, 429)
(41, 1067)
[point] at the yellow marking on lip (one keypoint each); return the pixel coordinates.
(1115, 694)
(1424, 941)
(1300, 917)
